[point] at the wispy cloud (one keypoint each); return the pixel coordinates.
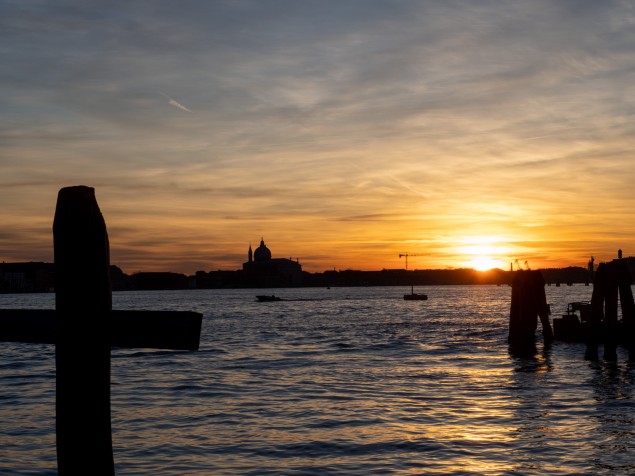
(175, 103)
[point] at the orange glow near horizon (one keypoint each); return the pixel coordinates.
(343, 143)
(184, 234)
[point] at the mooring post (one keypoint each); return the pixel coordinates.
(523, 312)
(543, 308)
(528, 303)
(625, 281)
(83, 301)
(609, 328)
(597, 312)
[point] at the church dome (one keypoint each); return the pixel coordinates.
(262, 253)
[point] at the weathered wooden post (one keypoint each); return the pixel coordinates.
(528, 303)
(538, 284)
(625, 281)
(628, 306)
(609, 328)
(83, 301)
(597, 312)
(522, 317)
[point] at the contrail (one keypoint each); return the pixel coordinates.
(175, 103)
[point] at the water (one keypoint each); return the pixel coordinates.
(342, 381)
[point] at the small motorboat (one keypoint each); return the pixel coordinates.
(415, 296)
(573, 327)
(268, 298)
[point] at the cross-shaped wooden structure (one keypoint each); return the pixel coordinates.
(84, 327)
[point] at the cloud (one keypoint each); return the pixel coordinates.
(173, 102)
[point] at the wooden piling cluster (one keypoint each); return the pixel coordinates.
(612, 282)
(529, 302)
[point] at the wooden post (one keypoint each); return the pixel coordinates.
(543, 308)
(597, 312)
(625, 281)
(628, 306)
(528, 303)
(522, 316)
(83, 301)
(609, 328)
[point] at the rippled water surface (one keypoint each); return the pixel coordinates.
(342, 381)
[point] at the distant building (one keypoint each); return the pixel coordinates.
(263, 270)
(31, 277)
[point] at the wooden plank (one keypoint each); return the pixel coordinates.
(29, 326)
(172, 330)
(156, 329)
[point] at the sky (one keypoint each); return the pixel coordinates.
(345, 133)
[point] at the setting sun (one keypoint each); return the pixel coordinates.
(483, 252)
(483, 263)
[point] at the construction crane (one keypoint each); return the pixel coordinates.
(406, 256)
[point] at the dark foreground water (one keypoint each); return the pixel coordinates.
(343, 381)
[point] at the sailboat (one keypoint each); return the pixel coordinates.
(415, 296)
